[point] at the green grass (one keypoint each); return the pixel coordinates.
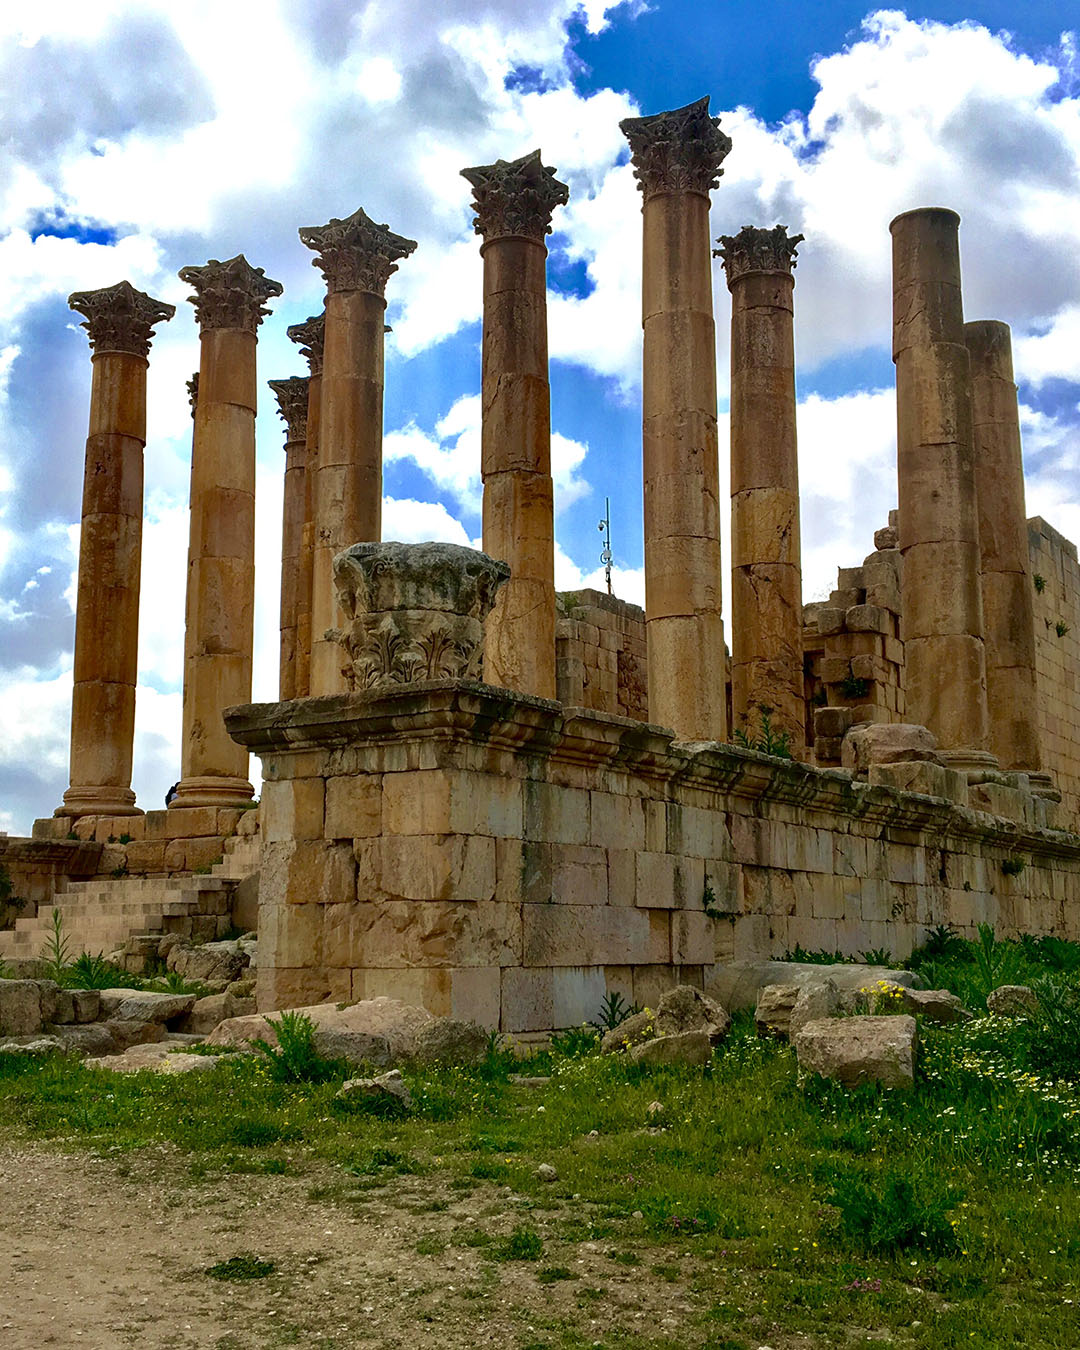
(947, 1216)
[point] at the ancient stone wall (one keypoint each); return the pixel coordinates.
(1057, 658)
(489, 856)
(157, 844)
(600, 655)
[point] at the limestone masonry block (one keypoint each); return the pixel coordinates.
(293, 809)
(571, 935)
(300, 872)
(445, 801)
(353, 807)
(579, 875)
(433, 867)
(666, 881)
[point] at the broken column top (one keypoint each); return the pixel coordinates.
(677, 151)
(356, 254)
(119, 318)
(310, 337)
(230, 294)
(755, 249)
(515, 198)
(292, 399)
(193, 392)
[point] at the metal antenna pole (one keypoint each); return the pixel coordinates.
(605, 529)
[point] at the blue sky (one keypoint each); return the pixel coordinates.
(152, 148)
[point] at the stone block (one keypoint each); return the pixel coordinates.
(933, 780)
(830, 620)
(390, 933)
(696, 832)
(556, 814)
(579, 875)
(652, 982)
(594, 935)
(353, 807)
(693, 940)
(447, 801)
(831, 722)
(666, 881)
(307, 872)
(432, 867)
(279, 987)
(622, 876)
(528, 999)
(617, 822)
(293, 809)
(577, 994)
(146, 856)
(199, 854)
(182, 822)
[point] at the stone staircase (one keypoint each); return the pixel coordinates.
(101, 914)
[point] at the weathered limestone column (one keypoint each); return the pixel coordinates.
(309, 336)
(513, 201)
(1008, 607)
(766, 556)
(120, 322)
(357, 258)
(945, 661)
(677, 157)
(292, 397)
(229, 305)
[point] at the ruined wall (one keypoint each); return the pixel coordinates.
(158, 844)
(600, 658)
(1057, 658)
(491, 857)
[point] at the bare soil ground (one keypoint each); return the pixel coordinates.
(112, 1252)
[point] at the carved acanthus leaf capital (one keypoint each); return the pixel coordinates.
(193, 392)
(515, 197)
(356, 254)
(757, 250)
(230, 294)
(677, 151)
(310, 337)
(292, 399)
(119, 318)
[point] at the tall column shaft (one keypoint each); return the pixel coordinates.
(292, 397)
(677, 159)
(110, 554)
(221, 553)
(766, 559)
(310, 337)
(357, 258)
(945, 660)
(1008, 607)
(514, 201)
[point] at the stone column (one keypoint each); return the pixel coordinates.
(229, 305)
(945, 661)
(766, 557)
(677, 157)
(309, 336)
(120, 322)
(513, 201)
(357, 258)
(292, 397)
(1008, 605)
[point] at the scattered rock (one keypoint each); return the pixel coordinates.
(125, 1032)
(29, 1045)
(856, 1050)
(20, 1007)
(388, 1087)
(936, 1005)
(215, 1008)
(776, 1003)
(813, 1003)
(886, 743)
(92, 1039)
(686, 1047)
(655, 1109)
(87, 1004)
(524, 1080)
(210, 962)
(140, 1005)
(545, 1172)
(736, 986)
(355, 1047)
(1012, 1000)
(680, 1010)
(244, 988)
(161, 1058)
(448, 1041)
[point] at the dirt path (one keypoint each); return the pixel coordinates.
(107, 1252)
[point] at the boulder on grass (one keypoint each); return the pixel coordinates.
(388, 1089)
(445, 1040)
(20, 1007)
(29, 1045)
(684, 1047)
(936, 1005)
(776, 1003)
(209, 963)
(813, 1003)
(212, 1009)
(1012, 1000)
(92, 1039)
(127, 1032)
(376, 1030)
(140, 1005)
(736, 985)
(857, 1050)
(682, 1009)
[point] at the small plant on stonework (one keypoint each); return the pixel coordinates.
(876, 956)
(820, 698)
(711, 908)
(1061, 628)
(851, 686)
(295, 1059)
(1012, 867)
(122, 870)
(56, 951)
(768, 741)
(71, 835)
(8, 897)
(124, 839)
(1040, 582)
(613, 1011)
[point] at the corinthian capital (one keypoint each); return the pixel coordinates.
(230, 294)
(355, 254)
(677, 151)
(757, 250)
(292, 400)
(309, 336)
(193, 392)
(119, 318)
(515, 197)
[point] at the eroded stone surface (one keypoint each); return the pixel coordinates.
(857, 1050)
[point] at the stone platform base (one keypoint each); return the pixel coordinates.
(501, 857)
